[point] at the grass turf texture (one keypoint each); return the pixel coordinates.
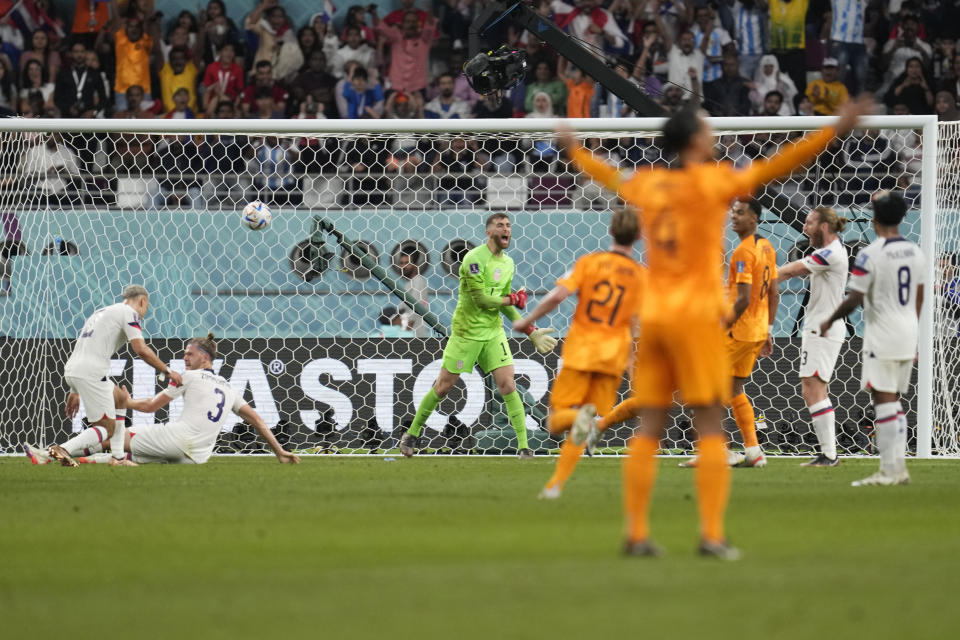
(461, 548)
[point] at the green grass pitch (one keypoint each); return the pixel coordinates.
(461, 548)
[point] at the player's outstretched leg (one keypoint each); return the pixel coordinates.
(88, 441)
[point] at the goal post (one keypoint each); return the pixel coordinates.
(91, 205)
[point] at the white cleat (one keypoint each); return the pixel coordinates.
(549, 493)
(734, 459)
(593, 436)
(582, 424)
(881, 479)
(36, 455)
(755, 460)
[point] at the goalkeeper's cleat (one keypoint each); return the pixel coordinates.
(525, 454)
(642, 549)
(822, 461)
(58, 453)
(36, 455)
(408, 444)
(549, 493)
(754, 460)
(720, 550)
(582, 424)
(881, 479)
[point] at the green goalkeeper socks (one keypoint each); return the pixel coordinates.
(427, 405)
(517, 418)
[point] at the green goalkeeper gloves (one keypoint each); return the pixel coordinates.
(542, 340)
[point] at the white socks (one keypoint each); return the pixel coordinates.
(891, 431)
(119, 433)
(823, 418)
(87, 442)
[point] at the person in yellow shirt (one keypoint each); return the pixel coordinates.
(179, 73)
(682, 210)
(827, 93)
(608, 285)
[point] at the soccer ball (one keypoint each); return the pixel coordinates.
(256, 215)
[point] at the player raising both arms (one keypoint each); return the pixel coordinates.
(681, 345)
(827, 268)
(887, 280)
(477, 335)
(207, 401)
(609, 285)
(87, 369)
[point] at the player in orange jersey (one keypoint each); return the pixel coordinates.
(683, 312)
(608, 285)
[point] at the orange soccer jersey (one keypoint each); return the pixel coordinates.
(753, 262)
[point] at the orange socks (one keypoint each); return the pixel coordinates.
(561, 419)
(624, 411)
(743, 414)
(712, 479)
(639, 473)
(569, 456)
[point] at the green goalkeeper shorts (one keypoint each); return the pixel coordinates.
(461, 354)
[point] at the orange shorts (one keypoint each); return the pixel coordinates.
(743, 355)
(575, 388)
(690, 357)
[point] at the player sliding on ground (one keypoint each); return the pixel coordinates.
(207, 399)
(87, 369)
(608, 285)
(751, 280)
(477, 335)
(827, 268)
(682, 315)
(887, 279)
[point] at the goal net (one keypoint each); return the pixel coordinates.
(315, 315)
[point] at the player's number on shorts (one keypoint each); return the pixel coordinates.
(602, 300)
(903, 285)
(765, 286)
(219, 407)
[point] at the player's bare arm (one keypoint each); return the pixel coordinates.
(251, 417)
(147, 354)
(919, 299)
(552, 300)
(853, 300)
(143, 405)
(741, 303)
(773, 300)
(73, 404)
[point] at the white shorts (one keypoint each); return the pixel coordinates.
(890, 376)
(157, 443)
(96, 396)
(818, 356)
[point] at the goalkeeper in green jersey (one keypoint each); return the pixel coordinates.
(477, 336)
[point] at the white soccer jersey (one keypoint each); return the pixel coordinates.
(102, 335)
(717, 39)
(207, 398)
(849, 17)
(828, 279)
(749, 29)
(888, 273)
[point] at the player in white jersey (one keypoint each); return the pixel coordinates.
(827, 268)
(207, 399)
(87, 369)
(888, 279)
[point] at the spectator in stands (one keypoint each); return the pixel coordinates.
(135, 107)
(181, 109)
(804, 106)
(946, 107)
(729, 94)
(912, 88)
(390, 324)
(34, 79)
(446, 106)
(950, 81)
(847, 42)
(357, 17)
(353, 49)
(944, 51)
(713, 40)
(179, 73)
(461, 86)
(222, 80)
(772, 104)
(416, 285)
(8, 93)
(263, 78)
(77, 94)
(315, 80)
(827, 93)
(769, 78)
(502, 154)
(409, 50)
(896, 52)
(51, 165)
(749, 30)
(264, 107)
(277, 43)
(41, 50)
(362, 99)
(325, 36)
(90, 17)
(214, 30)
(590, 23)
(133, 49)
(653, 54)
(103, 83)
(685, 62)
(271, 165)
(404, 105)
(606, 104)
(135, 151)
(494, 106)
(788, 38)
(307, 41)
(673, 99)
(395, 18)
(579, 93)
(545, 81)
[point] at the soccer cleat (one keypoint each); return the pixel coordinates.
(642, 549)
(734, 459)
(582, 424)
(549, 493)
(822, 461)
(689, 464)
(881, 479)
(525, 454)
(720, 550)
(755, 461)
(593, 437)
(37, 456)
(58, 453)
(408, 444)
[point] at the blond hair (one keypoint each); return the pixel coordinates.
(835, 222)
(132, 291)
(624, 226)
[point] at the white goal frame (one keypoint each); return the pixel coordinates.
(926, 124)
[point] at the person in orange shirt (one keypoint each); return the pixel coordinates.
(682, 210)
(608, 285)
(579, 94)
(134, 42)
(753, 292)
